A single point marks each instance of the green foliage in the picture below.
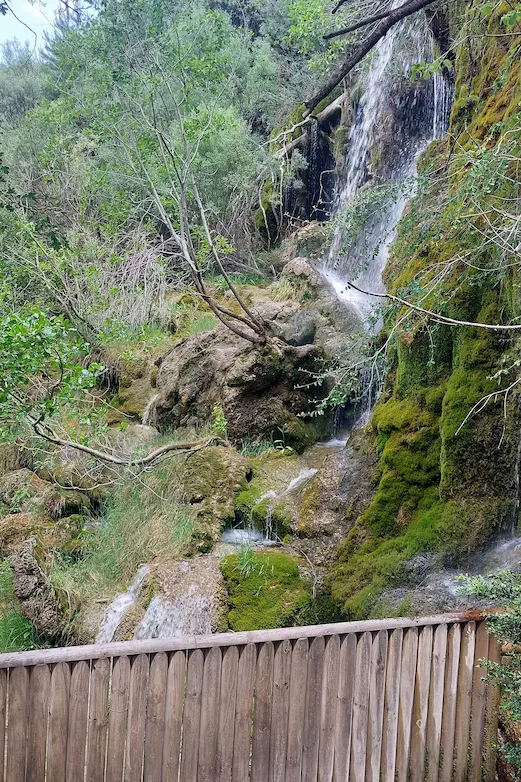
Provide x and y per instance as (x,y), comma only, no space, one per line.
(503,591)
(41,369)
(219,422)
(264,590)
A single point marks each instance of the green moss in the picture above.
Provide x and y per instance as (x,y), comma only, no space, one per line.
(264,591)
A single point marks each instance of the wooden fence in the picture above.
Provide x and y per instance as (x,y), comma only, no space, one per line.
(383,700)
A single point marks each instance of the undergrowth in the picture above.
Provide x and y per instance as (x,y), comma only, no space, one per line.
(16,632)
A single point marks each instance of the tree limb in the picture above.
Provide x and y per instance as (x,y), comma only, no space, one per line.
(145,461)
(393,17)
(436,316)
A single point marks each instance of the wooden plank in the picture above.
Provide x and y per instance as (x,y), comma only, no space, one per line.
(376,706)
(98,720)
(229,671)
(39,694)
(18,702)
(313,709)
(439,656)
(420,709)
(152,646)
(360,708)
(407,679)
(192,716)
(326,758)
(344,708)
(280,711)
(260,755)
(175,699)
(3,710)
(465,679)
(137,710)
(492,716)
(208,733)
(119,694)
(448,722)
(297,703)
(155,724)
(391,706)
(78,716)
(58,722)
(479,694)
(243,712)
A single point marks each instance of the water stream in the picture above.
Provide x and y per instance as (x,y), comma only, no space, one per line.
(115,611)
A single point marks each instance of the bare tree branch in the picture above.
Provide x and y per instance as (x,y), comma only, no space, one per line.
(393,17)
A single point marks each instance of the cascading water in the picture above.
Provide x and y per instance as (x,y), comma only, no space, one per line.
(425,119)
(119,606)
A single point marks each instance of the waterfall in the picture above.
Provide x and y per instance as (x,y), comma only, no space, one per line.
(149,413)
(425,119)
(120,604)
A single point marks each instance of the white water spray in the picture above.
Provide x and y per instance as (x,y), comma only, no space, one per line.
(119,606)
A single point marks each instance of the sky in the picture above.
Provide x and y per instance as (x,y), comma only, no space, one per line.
(37,15)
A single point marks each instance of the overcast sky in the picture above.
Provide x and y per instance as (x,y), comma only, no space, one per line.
(37,15)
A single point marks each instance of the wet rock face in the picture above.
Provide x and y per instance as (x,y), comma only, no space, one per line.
(38,600)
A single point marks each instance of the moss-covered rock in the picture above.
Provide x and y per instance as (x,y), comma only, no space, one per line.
(264,590)
(211,479)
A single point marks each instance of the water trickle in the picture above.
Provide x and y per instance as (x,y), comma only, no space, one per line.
(149,414)
(120,604)
(188,614)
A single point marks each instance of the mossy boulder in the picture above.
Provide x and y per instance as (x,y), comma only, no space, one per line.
(265,590)
(24,491)
(211,479)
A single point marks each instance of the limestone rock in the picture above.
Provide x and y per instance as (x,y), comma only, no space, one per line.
(211,480)
(51,534)
(24,491)
(37,598)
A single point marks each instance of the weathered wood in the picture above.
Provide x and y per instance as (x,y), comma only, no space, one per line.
(243,711)
(280,711)
(465,679)
(192,716)
(155,724)
(39,692)
(209,715)
(421,705)
(120,687)
(58,722)
(225,743)
(448,722)
(78,716)
(18,703)
(326,758)
(137,711)
(98,720)
(313,709)
(297,703)
(479,693)
(395,707)
(360,708)
(174,706)
(492,717)
(3,710)
(391,706)
(95,651)
(260,752)
(344,708)
(376,706)
(439,656)
(407,679)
